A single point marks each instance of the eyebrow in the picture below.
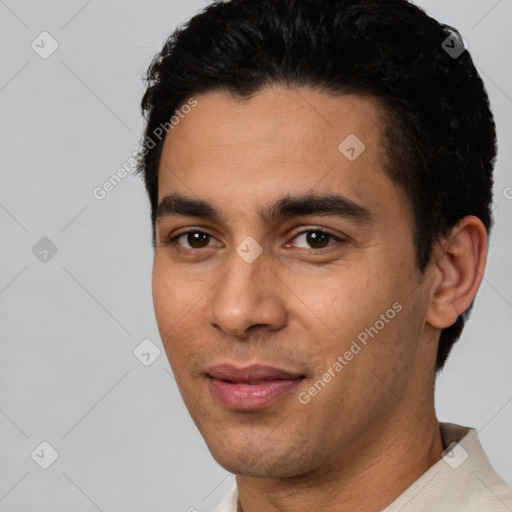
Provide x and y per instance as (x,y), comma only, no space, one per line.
(285,208)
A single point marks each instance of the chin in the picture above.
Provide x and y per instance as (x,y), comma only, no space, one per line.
(248,461)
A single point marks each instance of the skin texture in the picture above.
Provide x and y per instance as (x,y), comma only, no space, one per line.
(372,430)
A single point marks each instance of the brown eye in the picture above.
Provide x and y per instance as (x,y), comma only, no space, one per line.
(317,238)
(195,239)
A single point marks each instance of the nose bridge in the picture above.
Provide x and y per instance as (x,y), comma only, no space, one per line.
(247,294)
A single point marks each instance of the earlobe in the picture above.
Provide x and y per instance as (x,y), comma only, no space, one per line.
(459,261)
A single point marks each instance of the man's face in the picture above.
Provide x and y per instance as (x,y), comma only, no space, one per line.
(289,297)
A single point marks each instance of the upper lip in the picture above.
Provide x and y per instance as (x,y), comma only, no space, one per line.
(249,373)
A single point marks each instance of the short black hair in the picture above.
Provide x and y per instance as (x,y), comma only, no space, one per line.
(440,135)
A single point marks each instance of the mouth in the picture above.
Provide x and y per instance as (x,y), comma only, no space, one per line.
(251,388)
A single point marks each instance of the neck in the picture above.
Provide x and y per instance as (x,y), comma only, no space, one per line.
(380,469)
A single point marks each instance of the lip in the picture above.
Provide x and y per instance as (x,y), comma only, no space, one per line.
(252,387)
(249,373)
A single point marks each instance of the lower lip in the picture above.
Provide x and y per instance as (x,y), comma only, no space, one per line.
(251,397)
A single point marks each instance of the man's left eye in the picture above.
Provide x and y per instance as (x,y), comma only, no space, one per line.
(317,238)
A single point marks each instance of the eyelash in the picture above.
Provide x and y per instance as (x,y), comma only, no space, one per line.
(316,230)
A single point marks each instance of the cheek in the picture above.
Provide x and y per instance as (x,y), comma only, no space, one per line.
(172,295)
(179,310)
(164,299)
(170,303)
(353,300)
(363,312)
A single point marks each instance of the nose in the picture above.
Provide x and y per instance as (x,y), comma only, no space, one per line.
(249,294)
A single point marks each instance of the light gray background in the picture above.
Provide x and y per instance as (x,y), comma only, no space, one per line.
(69,326)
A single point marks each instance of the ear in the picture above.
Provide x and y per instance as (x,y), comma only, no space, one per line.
(458,265)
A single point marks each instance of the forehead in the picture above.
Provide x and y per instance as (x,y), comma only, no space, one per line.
(303,122)
(242,151)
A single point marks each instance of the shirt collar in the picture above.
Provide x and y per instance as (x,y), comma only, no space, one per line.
(462,480)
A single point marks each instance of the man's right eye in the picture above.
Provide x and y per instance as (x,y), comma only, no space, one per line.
(194,238)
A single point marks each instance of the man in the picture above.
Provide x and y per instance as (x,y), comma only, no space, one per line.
(321,208)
